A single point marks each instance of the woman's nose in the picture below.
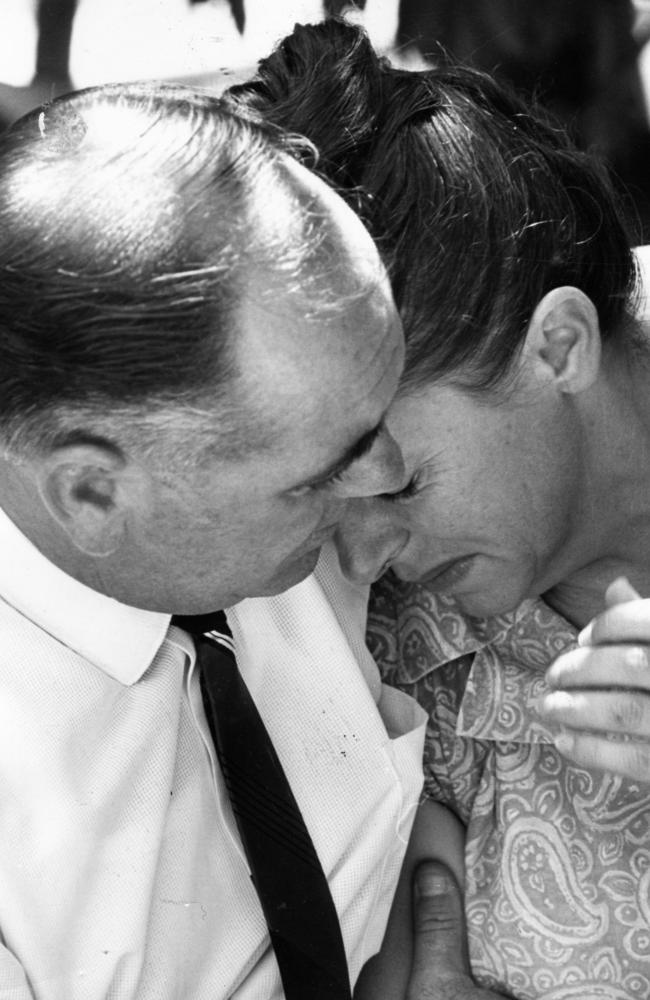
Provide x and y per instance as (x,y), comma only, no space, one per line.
(368,539)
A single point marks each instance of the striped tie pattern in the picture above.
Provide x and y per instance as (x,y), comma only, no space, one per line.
(287,874)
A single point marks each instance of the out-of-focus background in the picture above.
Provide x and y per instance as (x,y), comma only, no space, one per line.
(589,60)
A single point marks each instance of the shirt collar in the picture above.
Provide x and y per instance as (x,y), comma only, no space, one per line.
(120,640)
(511,654)
(434,628)
(508,678)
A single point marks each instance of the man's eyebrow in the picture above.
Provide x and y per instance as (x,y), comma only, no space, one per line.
(356,451)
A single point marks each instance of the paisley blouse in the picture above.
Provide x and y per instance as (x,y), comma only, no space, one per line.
(557,857)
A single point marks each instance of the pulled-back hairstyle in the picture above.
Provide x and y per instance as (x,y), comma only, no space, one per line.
(478,205)
(130,221)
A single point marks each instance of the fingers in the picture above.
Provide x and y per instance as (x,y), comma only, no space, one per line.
(602,666)
(626,712)
(607,729)
(626,622)
(590,750)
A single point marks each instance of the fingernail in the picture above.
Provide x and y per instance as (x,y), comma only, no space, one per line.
(564,742)
(561,700)
(624,590)
(432,884)
(584,637)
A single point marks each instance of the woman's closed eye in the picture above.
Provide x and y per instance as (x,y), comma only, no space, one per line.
(407,492)
(424,478)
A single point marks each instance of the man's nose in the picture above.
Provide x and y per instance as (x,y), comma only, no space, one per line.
(368,538)
(381,470)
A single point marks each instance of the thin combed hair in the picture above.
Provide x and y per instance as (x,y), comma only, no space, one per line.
(479,204)
(128,229)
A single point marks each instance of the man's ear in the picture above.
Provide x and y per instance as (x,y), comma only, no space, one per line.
(563,339)
(89,489)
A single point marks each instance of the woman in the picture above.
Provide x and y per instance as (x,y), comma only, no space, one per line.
(524,417)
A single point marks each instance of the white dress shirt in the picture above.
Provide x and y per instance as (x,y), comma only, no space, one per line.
(121,872)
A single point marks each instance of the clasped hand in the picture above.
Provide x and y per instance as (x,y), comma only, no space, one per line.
(601,695)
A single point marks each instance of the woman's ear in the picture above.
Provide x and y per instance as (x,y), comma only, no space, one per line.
(88,489)
(563,340)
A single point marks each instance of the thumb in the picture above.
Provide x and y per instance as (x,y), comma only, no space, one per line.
(440,949)
(441,968)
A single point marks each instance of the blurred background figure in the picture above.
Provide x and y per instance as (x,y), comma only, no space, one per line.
(34,41)
(48,47)
(54,20)
(588,60)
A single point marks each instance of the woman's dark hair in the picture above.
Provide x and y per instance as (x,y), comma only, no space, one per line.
(479,205)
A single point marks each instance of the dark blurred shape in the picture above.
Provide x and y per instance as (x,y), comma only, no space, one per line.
(334,8)
(237,11)
(54,20)
(579,57)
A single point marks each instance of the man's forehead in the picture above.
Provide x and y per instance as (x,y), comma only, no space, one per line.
(317,388)
(284,334)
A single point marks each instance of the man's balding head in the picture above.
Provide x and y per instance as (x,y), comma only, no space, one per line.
(132,218)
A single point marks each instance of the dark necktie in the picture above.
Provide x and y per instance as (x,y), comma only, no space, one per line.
(290,882)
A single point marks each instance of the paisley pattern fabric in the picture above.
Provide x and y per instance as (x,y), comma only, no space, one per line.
(557,857)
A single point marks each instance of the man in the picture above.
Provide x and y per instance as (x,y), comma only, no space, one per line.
(198,349)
